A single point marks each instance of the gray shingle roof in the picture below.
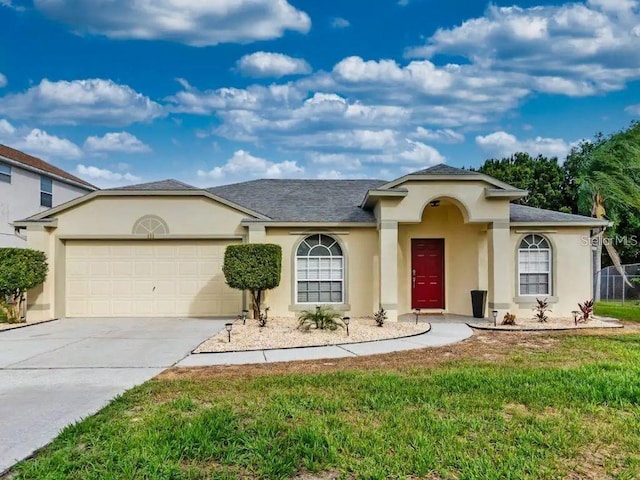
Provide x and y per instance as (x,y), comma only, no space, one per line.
(169,184)
(525,214)
(442,169)
(303,200)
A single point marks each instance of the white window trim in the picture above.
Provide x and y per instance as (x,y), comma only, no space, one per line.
(307,257)
(548,273)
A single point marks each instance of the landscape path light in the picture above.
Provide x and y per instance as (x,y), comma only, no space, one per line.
(228,326)
(495,317)
(346,321)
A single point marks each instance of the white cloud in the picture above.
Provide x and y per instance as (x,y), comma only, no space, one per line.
(37,142)
(104,177)
(243,163)
(122,142)
(633,109)
(3,80)
(268,64)
(6,129)
(10,4)
(422,154)
(442,135)
(339,22)
(503,144)
(193,22)
(94,101)
(574,49)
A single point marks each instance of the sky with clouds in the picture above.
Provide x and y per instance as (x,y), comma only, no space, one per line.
(219,91)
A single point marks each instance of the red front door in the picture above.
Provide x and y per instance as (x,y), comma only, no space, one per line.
(427,273)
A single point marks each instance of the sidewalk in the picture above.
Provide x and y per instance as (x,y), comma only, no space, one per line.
(439,335)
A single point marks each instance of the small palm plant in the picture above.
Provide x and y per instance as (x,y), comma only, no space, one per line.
(380,316)
(587,310)
(323,318)
(541,310)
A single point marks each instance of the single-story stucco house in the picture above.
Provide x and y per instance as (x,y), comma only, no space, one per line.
(422,241)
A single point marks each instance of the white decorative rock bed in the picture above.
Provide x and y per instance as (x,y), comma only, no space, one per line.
(283,333)
(528,324)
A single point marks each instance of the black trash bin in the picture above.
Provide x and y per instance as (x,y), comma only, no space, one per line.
(478,302)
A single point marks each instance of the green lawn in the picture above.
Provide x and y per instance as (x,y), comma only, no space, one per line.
(547,407)
(628,311)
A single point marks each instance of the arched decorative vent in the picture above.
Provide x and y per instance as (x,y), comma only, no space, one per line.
(150,226)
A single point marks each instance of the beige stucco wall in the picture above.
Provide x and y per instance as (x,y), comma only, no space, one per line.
(480,248)
(468,195)
(465,256)
(185,215)
(571,276)
(112,218)
(360,247)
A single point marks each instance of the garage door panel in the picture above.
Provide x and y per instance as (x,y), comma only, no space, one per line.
(148,278)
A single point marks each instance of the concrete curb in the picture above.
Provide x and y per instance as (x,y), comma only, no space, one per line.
(440,334)
(193,352)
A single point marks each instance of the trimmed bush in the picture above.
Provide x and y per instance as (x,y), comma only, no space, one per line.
(20,270)
(254,267)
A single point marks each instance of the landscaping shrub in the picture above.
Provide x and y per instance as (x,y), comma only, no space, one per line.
(541,310)
(380,316)
(322,318)
(509,319)
(20,270)
(254,267)
(587,310)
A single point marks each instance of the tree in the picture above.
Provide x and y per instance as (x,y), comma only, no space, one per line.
(254,267)
(543,177)
(610,167)
(20,270)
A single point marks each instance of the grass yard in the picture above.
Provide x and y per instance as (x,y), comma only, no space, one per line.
(500,405)
(629,311)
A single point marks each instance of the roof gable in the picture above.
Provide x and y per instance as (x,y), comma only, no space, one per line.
(442,172)
(174,188)
(37,164)
(161,185)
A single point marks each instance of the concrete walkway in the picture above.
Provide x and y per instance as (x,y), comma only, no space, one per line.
(439,335)
(55,374)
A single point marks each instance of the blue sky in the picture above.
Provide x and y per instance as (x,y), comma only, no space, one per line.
(219,91)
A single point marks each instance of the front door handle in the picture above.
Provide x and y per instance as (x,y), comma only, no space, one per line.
(413,277)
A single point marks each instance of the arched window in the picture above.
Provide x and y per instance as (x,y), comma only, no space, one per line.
(319,270)
(150,225)
(534,266)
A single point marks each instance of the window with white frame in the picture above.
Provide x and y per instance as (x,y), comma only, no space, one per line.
(46,192)
(319,270)
(5,173)
(534,265)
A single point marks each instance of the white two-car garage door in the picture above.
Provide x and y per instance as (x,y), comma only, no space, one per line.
(148,278)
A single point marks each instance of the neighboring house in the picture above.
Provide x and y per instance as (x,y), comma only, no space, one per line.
(424,240)
(29,185)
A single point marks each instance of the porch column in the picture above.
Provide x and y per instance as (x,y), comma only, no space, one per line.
(500,273)
(389,269)
(257,233)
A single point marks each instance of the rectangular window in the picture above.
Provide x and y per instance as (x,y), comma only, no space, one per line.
(535,272)
(5,173)
(320,280)
(46,192)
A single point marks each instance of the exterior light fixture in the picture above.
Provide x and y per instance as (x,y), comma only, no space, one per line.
(434,203)
(228,327)
(575,317)
(317,308)
(416,312)
(245,313)
(495,317)
(346,321)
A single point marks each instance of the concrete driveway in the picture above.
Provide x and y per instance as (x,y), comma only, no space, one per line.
(56,373)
